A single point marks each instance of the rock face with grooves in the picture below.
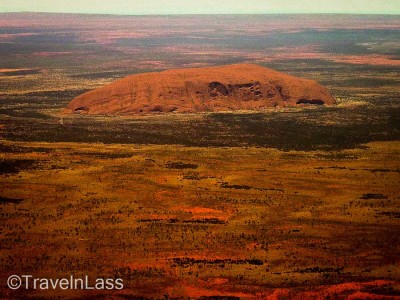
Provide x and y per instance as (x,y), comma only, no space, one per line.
(225,88)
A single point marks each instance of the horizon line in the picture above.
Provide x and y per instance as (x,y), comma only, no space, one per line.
(203,14)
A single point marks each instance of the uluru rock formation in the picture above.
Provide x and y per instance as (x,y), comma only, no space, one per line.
(225,88)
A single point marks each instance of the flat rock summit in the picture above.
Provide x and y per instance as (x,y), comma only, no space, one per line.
(223,88)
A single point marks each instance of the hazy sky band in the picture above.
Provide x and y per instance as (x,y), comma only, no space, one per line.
(146,7)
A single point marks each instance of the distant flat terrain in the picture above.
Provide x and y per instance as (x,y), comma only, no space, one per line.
(47,64)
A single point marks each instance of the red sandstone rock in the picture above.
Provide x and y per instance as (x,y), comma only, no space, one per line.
(225,88)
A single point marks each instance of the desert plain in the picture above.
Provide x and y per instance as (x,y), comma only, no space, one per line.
(287,203)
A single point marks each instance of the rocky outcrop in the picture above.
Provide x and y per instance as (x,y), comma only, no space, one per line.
(225,88)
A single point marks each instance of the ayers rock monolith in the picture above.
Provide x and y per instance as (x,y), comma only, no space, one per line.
(225,88)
